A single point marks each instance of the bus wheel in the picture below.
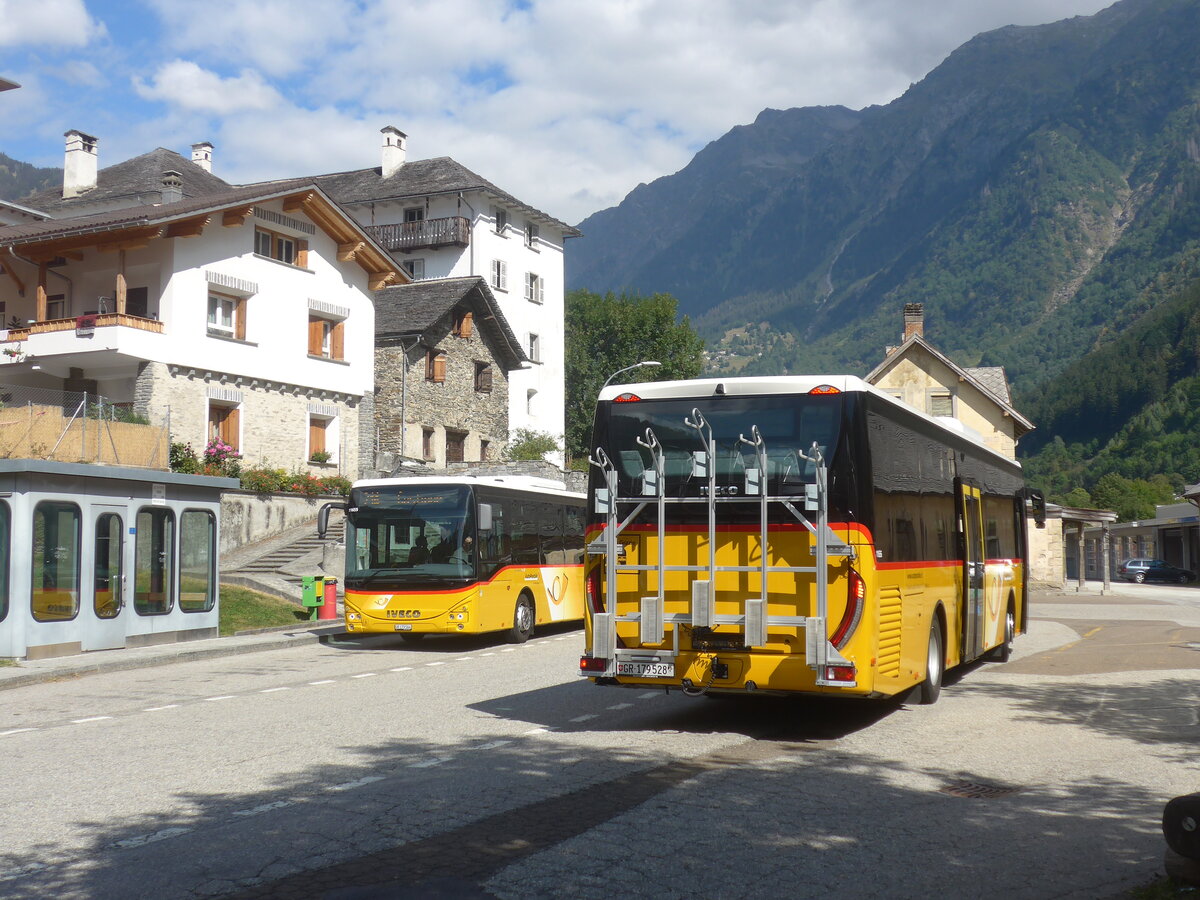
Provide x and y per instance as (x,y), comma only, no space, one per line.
(1004,651)
(522,621)
(931,687)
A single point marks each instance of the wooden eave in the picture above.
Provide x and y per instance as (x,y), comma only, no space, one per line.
(352,242)
(119,238)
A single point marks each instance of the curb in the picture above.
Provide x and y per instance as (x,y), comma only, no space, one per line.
(70,667)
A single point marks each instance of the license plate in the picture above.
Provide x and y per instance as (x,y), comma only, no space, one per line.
(404,626)
(646,669)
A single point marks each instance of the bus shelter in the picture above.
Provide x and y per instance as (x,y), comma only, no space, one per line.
(100,557)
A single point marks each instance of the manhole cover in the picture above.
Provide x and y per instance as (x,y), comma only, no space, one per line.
(973,790)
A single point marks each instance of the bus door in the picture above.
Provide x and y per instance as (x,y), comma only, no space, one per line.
(971,612)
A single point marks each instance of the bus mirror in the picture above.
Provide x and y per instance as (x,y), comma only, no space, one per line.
(485,517)
(323,518)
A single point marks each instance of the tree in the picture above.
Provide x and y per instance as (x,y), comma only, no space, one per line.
(605,334)
(530,445)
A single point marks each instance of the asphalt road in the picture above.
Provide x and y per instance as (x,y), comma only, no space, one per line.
(468,768)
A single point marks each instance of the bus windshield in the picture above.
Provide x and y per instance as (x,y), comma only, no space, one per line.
(409,533)
(789,425)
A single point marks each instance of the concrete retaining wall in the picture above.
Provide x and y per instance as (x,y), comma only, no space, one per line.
(247,517)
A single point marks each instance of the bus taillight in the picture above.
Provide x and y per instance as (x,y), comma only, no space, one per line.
(592,587)
(855,601)
(592,664)
(843,674)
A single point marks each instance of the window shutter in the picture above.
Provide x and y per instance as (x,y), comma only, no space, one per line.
(315,334)
(538,291)
(503,275)
(439,368)
(302,254)
(467,320)
(316,436)
(429,357)
(230,428)
(337,341)
(485,379)
(239,319)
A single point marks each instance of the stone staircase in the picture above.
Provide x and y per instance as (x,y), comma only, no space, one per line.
(282,562)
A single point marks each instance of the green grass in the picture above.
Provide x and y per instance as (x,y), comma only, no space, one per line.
(243,609)
(1163,889)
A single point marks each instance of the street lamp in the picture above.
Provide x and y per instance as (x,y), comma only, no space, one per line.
(636,365)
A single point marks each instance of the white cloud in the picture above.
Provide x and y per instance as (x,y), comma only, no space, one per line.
(185,85)
(47,22)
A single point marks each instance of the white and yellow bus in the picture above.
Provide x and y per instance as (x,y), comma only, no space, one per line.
(461,555)
(795,534)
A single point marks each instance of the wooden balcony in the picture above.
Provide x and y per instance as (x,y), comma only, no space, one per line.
(452,231)
(80,324)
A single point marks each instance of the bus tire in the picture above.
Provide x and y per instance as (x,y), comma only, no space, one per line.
(1003,652)
(935,666)
(523,619)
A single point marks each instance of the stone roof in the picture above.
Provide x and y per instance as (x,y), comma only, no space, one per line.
(412,310)
(138,179)
(994,379)
(422,178)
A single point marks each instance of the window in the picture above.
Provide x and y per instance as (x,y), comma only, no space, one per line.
(326,338)
(137,302)
(435,366)
(499,274)
(227,316)
(500,214)
(531,235)
(484,448)
(224,424)
(5,550)
(414,267)
(941,403)
(286,249)
(414,214)
(427,443)
(483,377)
(322,438)
(535,348)
(533,287)
(463,323)
(530,396)
(197,565)
(456,443)
(56,306)
(56,538)
(108,597)
(153,561)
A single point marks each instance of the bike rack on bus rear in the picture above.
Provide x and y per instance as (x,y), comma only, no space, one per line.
(754,619)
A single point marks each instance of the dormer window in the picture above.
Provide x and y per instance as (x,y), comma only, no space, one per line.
(500,214)
(531,235)
(281,247)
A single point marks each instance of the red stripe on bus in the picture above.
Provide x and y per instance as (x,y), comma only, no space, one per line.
(473,584)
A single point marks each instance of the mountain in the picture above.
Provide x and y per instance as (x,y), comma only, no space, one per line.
(1036,191)
(18,179)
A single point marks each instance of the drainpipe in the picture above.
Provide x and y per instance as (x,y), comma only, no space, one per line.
(31,263)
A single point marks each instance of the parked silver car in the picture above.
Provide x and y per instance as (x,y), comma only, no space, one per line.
(1146,569)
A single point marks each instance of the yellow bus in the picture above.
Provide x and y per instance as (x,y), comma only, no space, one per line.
(795,534)
(461,555)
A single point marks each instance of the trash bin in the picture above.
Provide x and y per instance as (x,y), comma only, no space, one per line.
(312,594)
(328,609)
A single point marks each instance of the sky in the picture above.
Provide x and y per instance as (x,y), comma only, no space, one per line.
(566,104)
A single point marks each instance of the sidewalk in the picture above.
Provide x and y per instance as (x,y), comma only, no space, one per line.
(27,672)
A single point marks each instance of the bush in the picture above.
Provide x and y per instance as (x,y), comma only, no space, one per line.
(183,459)
(531,445)
(264,480)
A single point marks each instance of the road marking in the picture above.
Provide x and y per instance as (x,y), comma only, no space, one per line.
(428,763)
(492,745)
(439,663)
(326,681)
(273,690)
(222,697)
(350,785)
(15,731)
(266,807)
(90,719)
(157,708)
(364,675)
(402,669)
(509,650)
(585,717)
(537,731)
(464,659)
(489,653)
(621,706)
(143,839)
(649,695)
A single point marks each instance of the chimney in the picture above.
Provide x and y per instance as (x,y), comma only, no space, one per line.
(79,166)
(914,320)
(172,187)
(202,155)
(395,149)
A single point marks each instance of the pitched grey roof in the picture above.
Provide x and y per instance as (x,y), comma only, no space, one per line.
(421,178)
(992,378)
(412,310)
(147,214)
(138,180)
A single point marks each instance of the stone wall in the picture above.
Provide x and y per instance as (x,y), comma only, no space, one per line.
(453,404)
(247,518)
(1047,565)
(274,417)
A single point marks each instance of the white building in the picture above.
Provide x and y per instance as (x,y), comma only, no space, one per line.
(245,314)
(439,219)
